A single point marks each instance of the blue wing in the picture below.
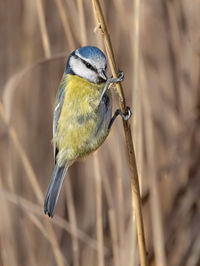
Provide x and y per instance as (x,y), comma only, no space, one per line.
(58,106)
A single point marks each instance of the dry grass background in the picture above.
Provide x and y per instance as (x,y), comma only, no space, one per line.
(157,44)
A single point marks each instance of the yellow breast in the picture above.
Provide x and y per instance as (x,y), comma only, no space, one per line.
(78,119)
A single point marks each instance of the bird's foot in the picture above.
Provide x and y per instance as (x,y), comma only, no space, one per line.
(112,80)
(116,80)
(125,116)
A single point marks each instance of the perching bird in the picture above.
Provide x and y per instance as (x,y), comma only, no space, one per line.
(82,115)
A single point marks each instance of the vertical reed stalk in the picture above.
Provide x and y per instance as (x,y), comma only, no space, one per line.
(100,253)
(120,202)
(112,217)
(43,29)
(136,94)
(63,16)
(33,180)
(8,254)
(73,222)
(113,229)
(128,136)
(158,235)
(82,22)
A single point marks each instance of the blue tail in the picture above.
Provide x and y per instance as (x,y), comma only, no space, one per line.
(54,189)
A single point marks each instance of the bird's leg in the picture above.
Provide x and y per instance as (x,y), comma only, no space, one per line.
(111,80)
(115,80)
(125,116)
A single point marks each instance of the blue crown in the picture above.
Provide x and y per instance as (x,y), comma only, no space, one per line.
(88,52)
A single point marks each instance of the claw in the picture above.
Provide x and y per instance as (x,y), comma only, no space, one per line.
(125,116)
(112,80)
(119,79)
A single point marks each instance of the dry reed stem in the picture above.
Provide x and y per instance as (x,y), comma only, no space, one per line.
(136,94)
(27,166)
(120,9)
(100,253)
(82,22)
(71,10)
(136,102)
(72,219)
(174,47)
(113,230)
(33,180)
(195,79)
(8,256)
(43,28)
(158,235)
(120,198)
(121,219)
(128,136)
(112,218)
(68,33)
(35,209)
(107,189)
(33,218)
(132,242)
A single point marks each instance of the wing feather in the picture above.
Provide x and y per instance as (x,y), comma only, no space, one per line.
(58,107)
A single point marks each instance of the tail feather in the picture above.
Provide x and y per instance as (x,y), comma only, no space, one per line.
(54,189)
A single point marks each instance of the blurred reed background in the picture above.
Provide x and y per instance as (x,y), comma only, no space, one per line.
(157,45)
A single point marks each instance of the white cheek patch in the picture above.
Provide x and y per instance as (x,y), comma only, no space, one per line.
(79,68)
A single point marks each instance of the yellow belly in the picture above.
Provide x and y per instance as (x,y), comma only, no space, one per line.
(78,120)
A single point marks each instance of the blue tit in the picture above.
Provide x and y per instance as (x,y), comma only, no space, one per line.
(82,115)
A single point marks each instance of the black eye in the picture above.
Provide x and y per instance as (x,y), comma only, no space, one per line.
(88,65)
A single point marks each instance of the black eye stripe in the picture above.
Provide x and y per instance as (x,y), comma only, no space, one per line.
(88,65)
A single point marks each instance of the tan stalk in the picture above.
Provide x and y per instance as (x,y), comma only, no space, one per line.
(65,22)
(82,22)
(33,180)
(136,201)
(35,210)
(43,29)
(100,253)
(158,232)
(136,94)
(73,221)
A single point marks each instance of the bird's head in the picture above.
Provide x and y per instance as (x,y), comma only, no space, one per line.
(89,63)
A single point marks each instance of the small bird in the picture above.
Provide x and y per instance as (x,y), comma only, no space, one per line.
(82,115)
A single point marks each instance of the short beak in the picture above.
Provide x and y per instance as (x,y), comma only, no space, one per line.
(102,74)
